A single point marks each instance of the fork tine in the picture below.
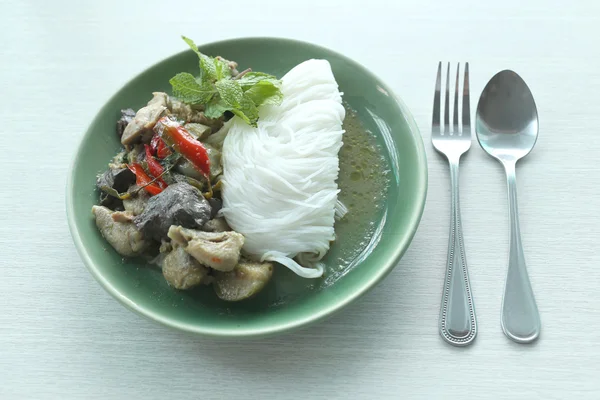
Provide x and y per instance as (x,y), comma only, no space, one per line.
(447,103)
(466,108)
(455,114)
(435,123)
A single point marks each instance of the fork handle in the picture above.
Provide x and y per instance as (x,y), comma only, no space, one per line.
(458,325)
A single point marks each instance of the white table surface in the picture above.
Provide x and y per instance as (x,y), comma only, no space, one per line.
(62,336)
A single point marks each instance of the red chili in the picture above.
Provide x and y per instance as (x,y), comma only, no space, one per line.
(159,148)
(154,167)
(163,151)
(143,179)
(186,144)
(154,143)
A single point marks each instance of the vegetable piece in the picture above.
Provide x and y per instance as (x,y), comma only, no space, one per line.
(117,179)
(214,157)
(156,170)
(159,148)
(127,116)
(246,280)
(122,234)
(113,183)
(182,271)
(142,179)
(162,151)
(199,131)
(184,143)
(179,204)
(187,168)
(218,250)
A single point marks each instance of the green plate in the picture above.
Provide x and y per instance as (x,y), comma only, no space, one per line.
(288,302)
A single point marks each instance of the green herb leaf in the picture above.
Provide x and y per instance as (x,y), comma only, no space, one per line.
(264,92)
(230,91)
(189,90)
(216,108)
(252,78)
(207,65)
(222,68)
(208,70)
(218,92)
(247,111)
(192,45)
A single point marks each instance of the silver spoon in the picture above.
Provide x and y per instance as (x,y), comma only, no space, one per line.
(507,128)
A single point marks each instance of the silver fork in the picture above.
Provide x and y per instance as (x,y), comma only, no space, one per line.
(458,325)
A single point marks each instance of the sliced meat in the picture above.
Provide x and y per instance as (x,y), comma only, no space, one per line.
(137,202)
(216,225)
(179,204)
(182,271)
(127,116)
(145,119)
(247,279)
(122,216)
(218,250)
(124,236)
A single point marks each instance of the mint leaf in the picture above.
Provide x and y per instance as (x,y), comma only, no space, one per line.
(219,92)
(252,78)
(207,65)
(208,71)
(189,90)
(192,45)
(247,111)
(264,92)
(222,68)
(216,108)
(230,91)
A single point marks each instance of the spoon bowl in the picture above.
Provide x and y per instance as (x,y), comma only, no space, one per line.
(507,120)
(506,124)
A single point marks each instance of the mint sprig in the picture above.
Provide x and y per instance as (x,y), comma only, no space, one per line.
(219,92)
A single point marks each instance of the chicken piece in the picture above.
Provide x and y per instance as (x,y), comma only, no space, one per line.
(218,250)
(247,279)
(216,225)
(145,118)
(122,216)
(182,271)
(137,202)
(179,204)
(123,235)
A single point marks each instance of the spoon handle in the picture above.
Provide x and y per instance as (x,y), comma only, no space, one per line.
(458,325)
(520,316)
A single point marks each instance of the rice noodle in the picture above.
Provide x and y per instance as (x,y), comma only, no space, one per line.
(279,180)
